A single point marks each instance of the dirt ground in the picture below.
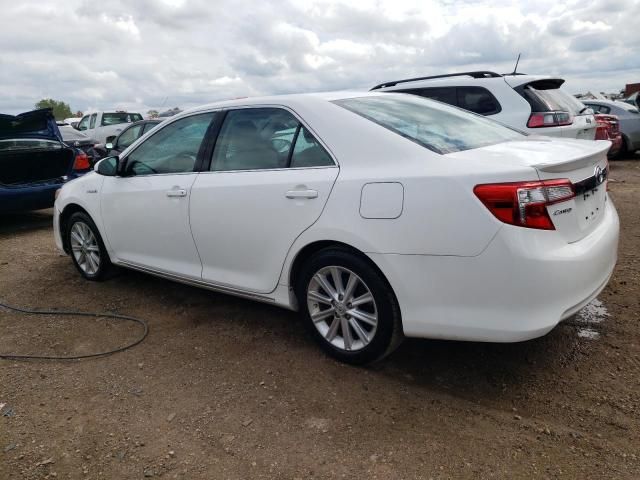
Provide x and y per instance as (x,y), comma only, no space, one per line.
(224,388)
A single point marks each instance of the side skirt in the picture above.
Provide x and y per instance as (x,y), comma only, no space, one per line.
(201,283)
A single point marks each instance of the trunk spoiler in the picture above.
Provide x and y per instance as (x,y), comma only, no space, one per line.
(576,163)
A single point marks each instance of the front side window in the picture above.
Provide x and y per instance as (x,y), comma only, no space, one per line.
(92,124)
(84,123)
(173,149)
(440,128)
(149,126)
(265,138)
(129,136)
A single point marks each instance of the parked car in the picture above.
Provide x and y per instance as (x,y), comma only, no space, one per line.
(530,103)
(129,135)
(608,128)
(105,126)
(72,121)
(629,118)
(633,100)
(80,141)
(378,215)
(34,161)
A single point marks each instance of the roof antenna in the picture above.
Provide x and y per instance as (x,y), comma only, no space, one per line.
(516,67)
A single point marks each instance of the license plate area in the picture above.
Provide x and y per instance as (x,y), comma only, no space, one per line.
(590,205)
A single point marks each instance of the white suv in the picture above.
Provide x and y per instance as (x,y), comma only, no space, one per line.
(529,103)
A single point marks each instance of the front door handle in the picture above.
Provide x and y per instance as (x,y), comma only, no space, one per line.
(177,192)
(302,194)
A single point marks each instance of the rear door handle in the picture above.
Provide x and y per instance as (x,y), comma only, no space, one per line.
(177,192)
(302,194)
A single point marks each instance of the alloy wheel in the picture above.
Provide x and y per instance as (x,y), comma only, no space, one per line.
(342,308)
(85,248)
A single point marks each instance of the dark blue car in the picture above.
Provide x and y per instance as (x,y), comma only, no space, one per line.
(34,161)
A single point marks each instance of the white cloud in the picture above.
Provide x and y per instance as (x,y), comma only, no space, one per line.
(151,53)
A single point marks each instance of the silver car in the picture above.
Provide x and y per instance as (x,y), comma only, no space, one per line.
(629,117)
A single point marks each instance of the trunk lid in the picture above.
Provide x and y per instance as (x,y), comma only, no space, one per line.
(31,149)
(582,162)
(34,124)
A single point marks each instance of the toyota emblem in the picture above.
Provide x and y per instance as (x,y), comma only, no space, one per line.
(600,175)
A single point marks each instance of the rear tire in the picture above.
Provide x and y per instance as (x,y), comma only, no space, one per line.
(623,152)
(86,248)
(348,306)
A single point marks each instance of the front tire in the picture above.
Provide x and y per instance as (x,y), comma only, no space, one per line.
(348,307)
(86,247)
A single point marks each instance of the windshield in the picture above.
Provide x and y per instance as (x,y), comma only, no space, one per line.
(120,117)
(436,126)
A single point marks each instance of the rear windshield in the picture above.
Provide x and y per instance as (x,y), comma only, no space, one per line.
(627,107)
(120,117)
(555,99)
(438,127)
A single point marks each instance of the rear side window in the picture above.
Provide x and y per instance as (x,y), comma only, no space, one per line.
(478,100)
(438,127)
(441,94)
(475,99)
(265,138)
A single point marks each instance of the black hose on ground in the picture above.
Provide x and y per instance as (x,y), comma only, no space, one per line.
(125,318)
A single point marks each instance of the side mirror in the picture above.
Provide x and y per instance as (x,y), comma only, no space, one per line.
(107,166)
(109,146)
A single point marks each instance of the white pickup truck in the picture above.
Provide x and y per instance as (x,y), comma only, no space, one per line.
(103,127)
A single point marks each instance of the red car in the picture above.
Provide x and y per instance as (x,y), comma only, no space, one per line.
(608,128)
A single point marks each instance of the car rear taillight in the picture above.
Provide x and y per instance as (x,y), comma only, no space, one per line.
(549,119)
(81,162)
(524,204)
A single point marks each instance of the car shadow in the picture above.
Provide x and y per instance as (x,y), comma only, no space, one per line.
(26,221)
(469,370)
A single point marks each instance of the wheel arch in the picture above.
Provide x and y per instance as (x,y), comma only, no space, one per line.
(65,215)
(312,248)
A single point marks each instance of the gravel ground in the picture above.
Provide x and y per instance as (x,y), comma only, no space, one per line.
(226,388)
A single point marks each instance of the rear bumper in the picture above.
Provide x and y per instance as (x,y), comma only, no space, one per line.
(33,197)
(520,287)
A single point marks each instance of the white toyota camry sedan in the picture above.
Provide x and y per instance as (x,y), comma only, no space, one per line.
(376,215)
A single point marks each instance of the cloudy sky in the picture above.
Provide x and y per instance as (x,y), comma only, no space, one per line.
(142,54)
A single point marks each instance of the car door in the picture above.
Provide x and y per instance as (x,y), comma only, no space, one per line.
(145,211)
(268,181)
